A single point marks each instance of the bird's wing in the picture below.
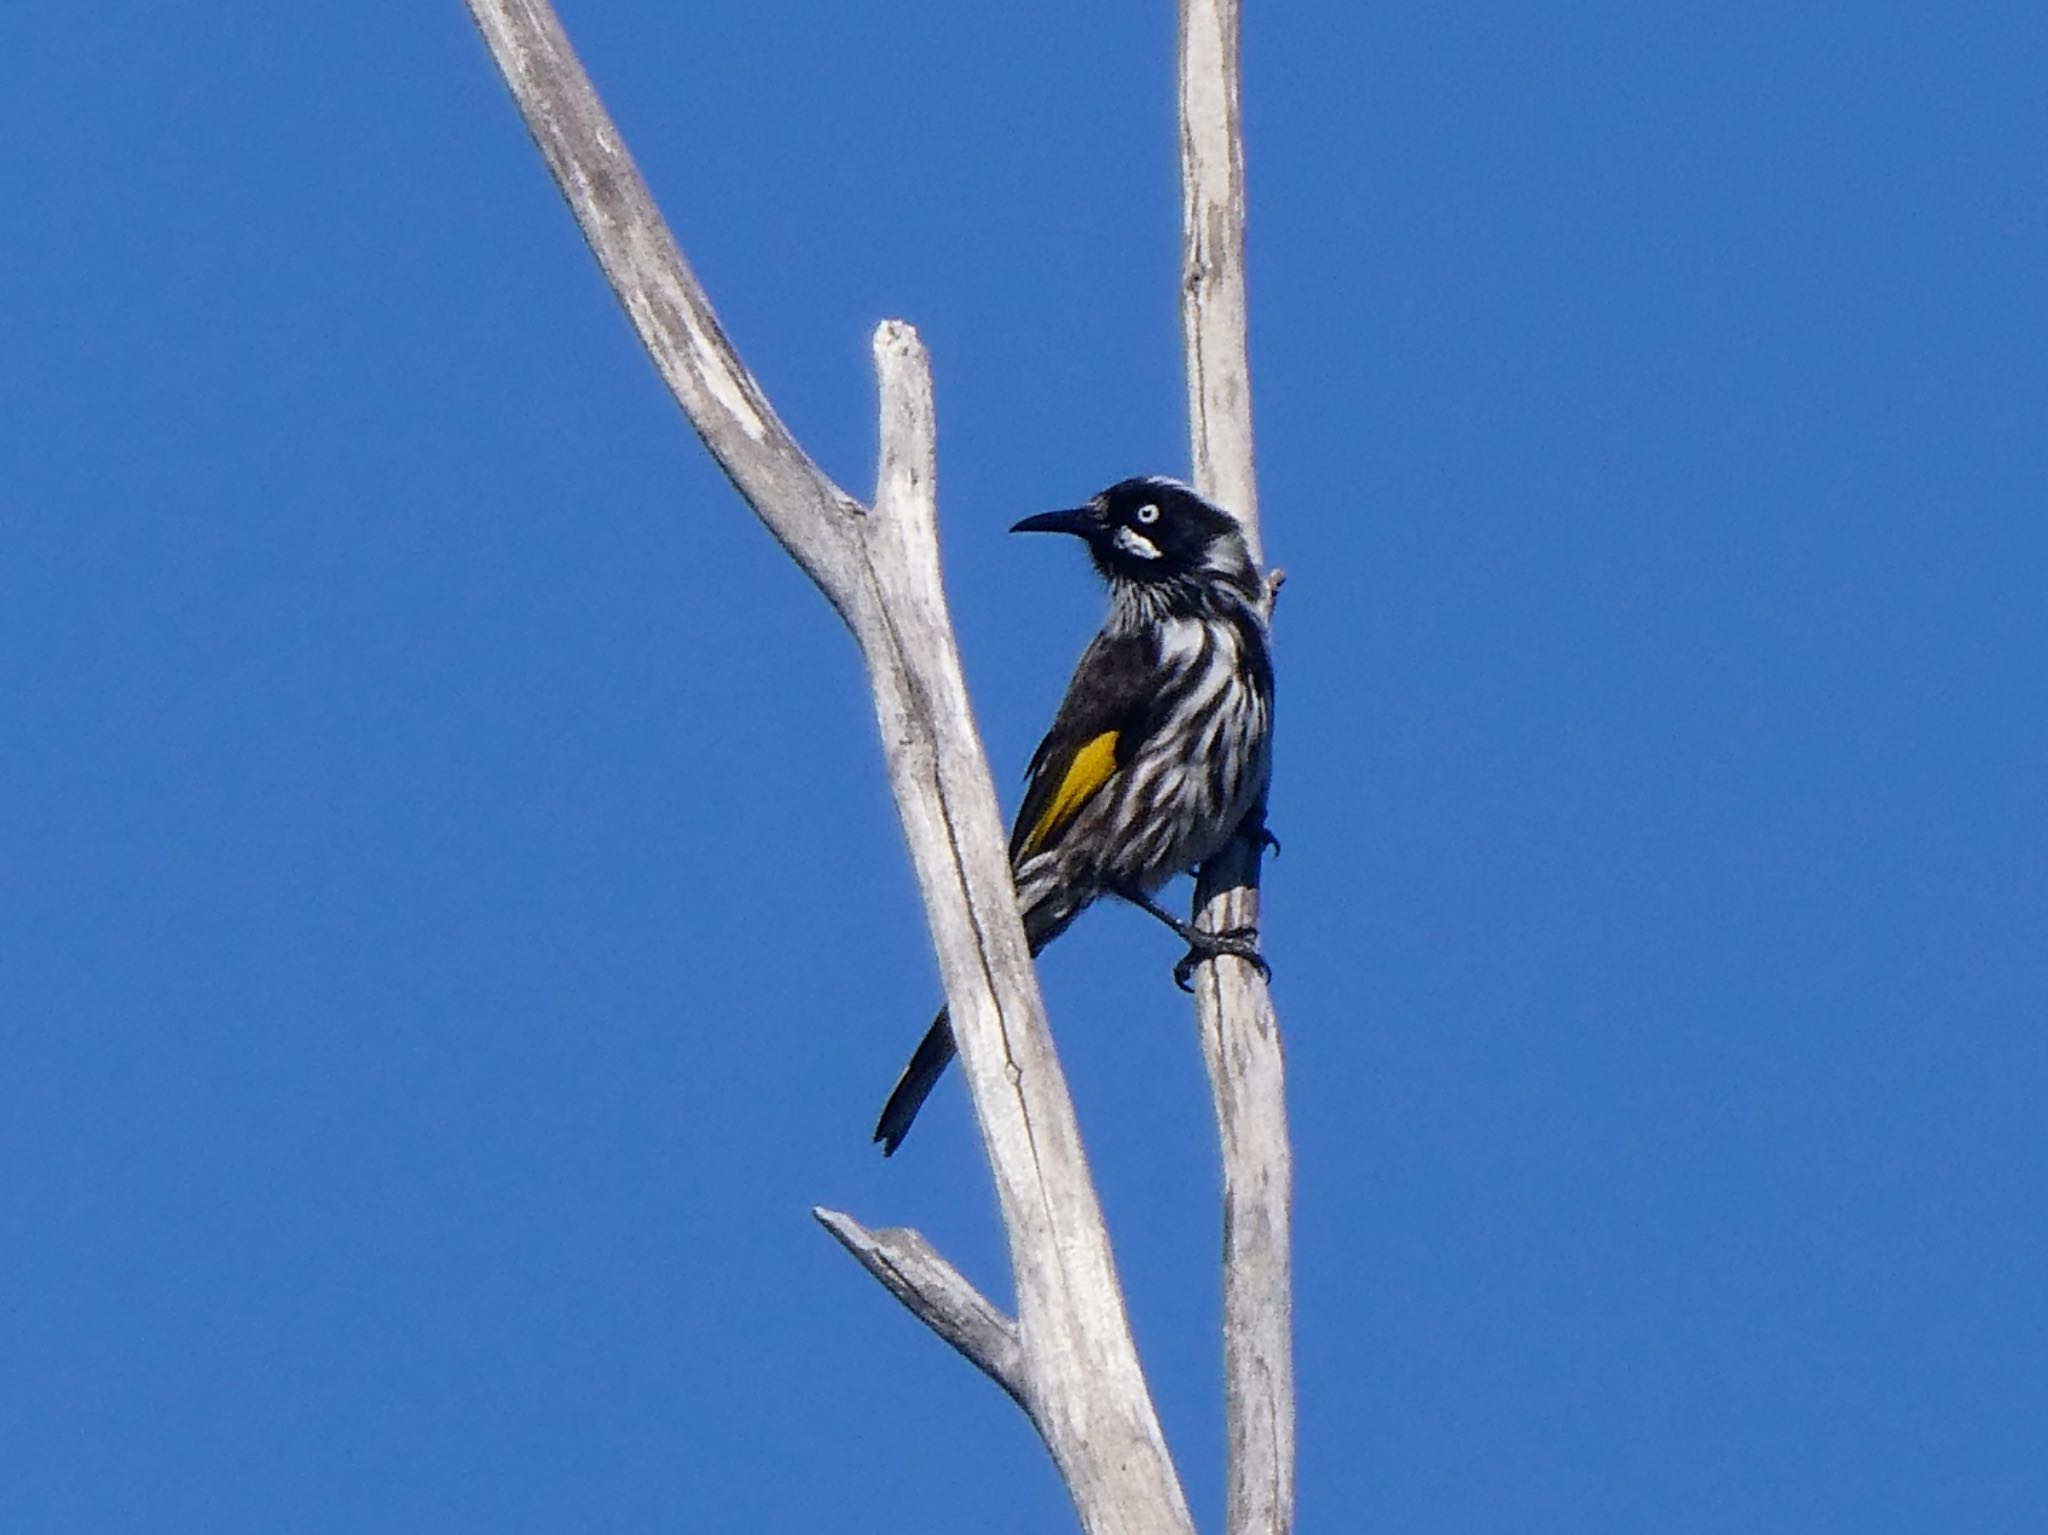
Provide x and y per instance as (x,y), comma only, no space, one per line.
(1109,710)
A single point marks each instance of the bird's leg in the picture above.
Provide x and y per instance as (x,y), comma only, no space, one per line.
(1238,942)
(1185,931)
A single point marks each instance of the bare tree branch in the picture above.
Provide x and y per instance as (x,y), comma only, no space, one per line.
(938,1295)
(1077,1373)
(805,511)
(1240,1033)
(1083,1385)
(1212,296)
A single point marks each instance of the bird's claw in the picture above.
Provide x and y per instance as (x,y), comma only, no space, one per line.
(1253,829)
(1238,942)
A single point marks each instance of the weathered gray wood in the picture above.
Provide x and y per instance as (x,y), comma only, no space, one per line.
(1214,322)
(938,1295)
(801,506)
(1083,1386)
(1239,1031)
(1077,1371)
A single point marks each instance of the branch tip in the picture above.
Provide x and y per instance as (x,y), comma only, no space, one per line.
(937,1294)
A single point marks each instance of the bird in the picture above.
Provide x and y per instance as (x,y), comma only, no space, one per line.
(1161,750)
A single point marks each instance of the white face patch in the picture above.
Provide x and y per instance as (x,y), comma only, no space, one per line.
(1136,544)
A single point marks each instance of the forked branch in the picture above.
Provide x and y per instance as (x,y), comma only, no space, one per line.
(1074,1366)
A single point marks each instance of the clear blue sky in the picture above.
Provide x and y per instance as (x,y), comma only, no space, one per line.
(452,926)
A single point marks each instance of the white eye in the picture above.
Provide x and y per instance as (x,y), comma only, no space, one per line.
(1148,513)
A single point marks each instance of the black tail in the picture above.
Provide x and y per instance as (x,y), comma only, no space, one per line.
(915,1085)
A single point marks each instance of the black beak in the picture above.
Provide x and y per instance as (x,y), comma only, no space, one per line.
(1081,521)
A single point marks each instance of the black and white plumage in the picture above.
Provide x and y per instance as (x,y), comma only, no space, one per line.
(1161,749)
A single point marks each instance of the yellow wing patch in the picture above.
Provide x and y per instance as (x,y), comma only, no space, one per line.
(1089,770)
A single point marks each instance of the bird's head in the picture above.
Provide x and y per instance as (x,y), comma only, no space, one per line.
(1155,532)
